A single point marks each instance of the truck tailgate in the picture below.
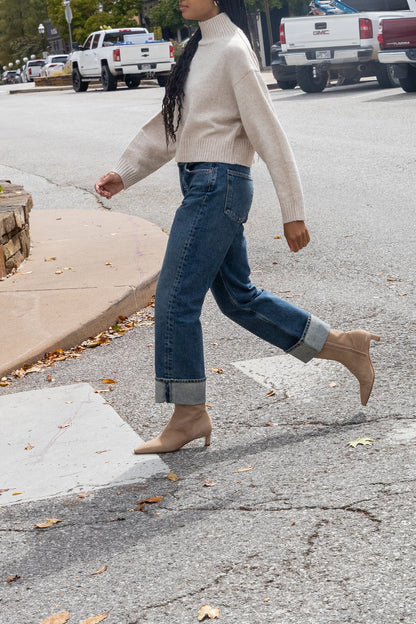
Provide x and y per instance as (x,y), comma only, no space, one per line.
(321,31)
(398,33)
(144,53)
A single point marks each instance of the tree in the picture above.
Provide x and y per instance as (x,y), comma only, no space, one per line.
(19,21)
(167,15)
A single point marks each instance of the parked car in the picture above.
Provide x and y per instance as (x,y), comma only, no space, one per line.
(285,75)
(397,39)
(121,54)
(10,77)
(31,70)
(53,63)
(345,42)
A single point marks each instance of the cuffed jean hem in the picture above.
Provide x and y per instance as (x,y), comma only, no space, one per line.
(313,340)
(181,392)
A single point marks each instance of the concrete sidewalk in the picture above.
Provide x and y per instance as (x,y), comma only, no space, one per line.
(86,268)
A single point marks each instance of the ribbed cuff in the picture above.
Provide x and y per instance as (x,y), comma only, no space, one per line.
(127,173)
(313,340)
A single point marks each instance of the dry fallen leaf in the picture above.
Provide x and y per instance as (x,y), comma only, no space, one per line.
(58,618)
(108,264)
(217,370)
(100,570)
(209,483)
(208,611)
(402,294)
(49,378)
(83,494)
(29,447)
(362,441)
(244,469)
(18,492)
(277,237)
(151,499)
(95,619)
(269,424)
(50,259)
(271,393)
(13,578)
(172,476)
(49,522)
(267,599)
(65,426)
(4,383)
(332,384)
(58,272)
(109,381)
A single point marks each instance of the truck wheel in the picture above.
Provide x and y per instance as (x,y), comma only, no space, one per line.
(309,82)
(108,81)
(386,76)
(162,80)
(78,84)
(287,84)
(132,83)
(409,83)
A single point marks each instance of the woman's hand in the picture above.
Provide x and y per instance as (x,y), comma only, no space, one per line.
(109,184)
(296,234)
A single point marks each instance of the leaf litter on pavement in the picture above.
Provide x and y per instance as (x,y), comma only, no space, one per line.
(144,317)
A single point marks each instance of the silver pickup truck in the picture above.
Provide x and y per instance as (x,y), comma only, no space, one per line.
(346,44)
(121,54)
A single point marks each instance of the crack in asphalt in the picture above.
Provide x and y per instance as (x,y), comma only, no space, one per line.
(60,185)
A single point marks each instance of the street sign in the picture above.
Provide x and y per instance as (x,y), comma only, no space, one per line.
(68,13)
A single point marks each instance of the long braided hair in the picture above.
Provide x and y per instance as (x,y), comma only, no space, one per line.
(173,100)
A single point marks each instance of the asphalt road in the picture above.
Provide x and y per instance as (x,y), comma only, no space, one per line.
(317,532)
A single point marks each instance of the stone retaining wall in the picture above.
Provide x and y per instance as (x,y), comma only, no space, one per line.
(15,206)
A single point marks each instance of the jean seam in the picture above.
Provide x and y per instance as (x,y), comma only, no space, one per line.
(171,303)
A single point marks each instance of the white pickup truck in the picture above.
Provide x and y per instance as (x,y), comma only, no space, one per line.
(121,54)
(344,44)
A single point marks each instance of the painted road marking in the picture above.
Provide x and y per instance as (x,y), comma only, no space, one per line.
(94,451)
(285,374)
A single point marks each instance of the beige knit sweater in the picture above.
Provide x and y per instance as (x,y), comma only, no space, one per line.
(227,116)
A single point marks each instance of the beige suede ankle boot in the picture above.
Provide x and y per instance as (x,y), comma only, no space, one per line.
(188,423)
(352,349)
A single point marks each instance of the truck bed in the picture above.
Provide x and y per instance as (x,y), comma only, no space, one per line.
(398,33)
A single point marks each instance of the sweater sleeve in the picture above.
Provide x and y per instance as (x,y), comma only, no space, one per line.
(146,153)
(270,142)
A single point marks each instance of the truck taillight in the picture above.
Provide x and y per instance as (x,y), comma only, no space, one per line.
(380,35)
(282,33)
(366,28)
(116,55)
(30,71)
(171,52)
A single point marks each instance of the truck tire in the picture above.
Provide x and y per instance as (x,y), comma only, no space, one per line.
(132,82)
(386,76)
(162,80)
(408,84)
(108,81)
(287,84)
(310,83)
(78,84)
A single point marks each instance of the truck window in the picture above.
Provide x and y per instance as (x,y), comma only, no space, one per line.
(378,5)
(96,40)
(87,43)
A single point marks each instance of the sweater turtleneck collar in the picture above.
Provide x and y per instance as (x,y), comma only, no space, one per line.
(216,27)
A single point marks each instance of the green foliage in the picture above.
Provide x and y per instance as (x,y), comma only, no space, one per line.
(86,16)
(167,15)
(19,21)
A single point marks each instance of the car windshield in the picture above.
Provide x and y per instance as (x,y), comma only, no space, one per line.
(58,59)
(35,63)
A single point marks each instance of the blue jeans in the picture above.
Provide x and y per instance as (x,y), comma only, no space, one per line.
(207,250)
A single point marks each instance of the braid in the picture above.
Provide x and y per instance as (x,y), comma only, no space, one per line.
(173,100)
(175,88)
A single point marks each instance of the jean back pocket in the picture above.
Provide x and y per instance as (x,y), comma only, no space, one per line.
(239,195)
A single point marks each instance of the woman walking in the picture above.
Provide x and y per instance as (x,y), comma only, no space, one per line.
(216,113)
